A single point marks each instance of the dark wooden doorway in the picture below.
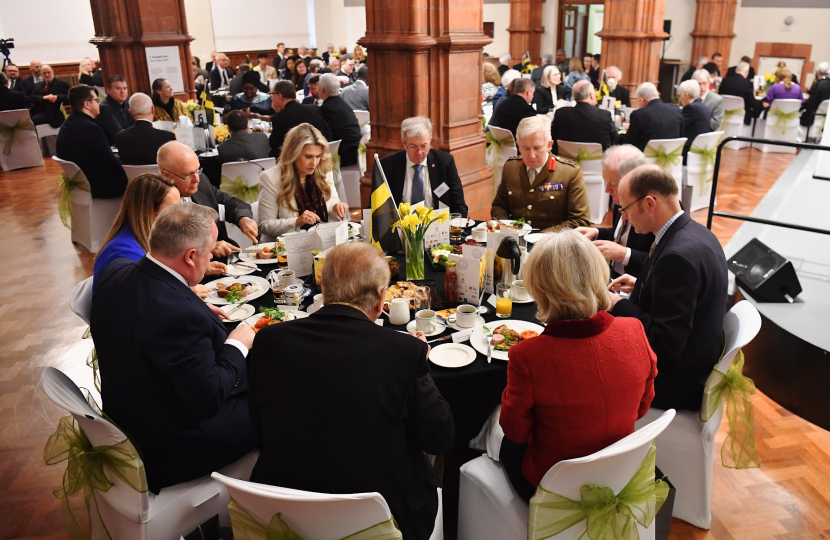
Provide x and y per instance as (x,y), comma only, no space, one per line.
(575,25)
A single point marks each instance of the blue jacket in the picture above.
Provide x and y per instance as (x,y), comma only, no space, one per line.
(122,246)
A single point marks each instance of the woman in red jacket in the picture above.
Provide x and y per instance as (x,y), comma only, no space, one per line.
(580,385)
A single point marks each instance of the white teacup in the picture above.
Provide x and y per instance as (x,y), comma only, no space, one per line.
(318,301)
(425,321)
(466,316)
(518,291)
(480,234)
(286,278)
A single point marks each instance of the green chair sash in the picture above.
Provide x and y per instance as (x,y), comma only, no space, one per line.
(67,185)
(663,158)
(364,124)
(15,133)
(730,113)
(607,516)
(782,118)
(708,157)
(494,146)
(86,468)
(335,163)
(582,155)
(738,451)
(361,150)
(239,188)
(246,527)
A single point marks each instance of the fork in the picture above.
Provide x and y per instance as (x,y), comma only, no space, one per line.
(489,338)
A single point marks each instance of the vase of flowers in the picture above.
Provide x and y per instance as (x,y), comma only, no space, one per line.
(414,223)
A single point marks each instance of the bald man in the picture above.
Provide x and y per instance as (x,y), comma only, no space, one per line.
(47,98)
(140,143)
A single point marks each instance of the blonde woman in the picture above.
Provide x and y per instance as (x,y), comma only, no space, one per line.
(785,88)
(85,72)
(491,81)
(299,191)
(360,56)
(551,92)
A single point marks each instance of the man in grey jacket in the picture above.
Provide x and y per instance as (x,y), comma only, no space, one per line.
(357,95)
(712,101)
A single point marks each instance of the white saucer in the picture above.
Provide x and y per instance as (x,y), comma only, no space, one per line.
(534,237)
(244,311)
(479,323)
(437,328)
(528,301)
(452,355)
(311,309)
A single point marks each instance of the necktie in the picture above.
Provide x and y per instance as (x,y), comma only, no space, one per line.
(417,185)
(531,175)
(621,231)
(651,251)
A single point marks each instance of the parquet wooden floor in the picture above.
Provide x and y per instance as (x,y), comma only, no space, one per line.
(788,498)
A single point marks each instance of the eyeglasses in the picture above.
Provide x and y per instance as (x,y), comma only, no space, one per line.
(197,173)
(413,148)
(95,99)
(625,209)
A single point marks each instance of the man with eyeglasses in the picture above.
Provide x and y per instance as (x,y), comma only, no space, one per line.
(84,143)
(181,164)
(680,296)
(419,173)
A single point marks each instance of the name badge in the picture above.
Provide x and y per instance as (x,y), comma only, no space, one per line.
(552,186)
(440,190)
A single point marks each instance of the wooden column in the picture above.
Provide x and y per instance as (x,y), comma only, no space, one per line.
(714,29)
(426,60)
(632,36)
(125,28)
(526,29)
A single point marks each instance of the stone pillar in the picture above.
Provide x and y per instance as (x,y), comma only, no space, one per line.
(124,28)
(426,60)
(714,29)
(632,37)
(526,29)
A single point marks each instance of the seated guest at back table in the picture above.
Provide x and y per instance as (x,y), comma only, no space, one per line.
(577,72)
(347,69)
(579,386)
(10,100)
(710,98)
(115,109)
(549,92)
(203,73)
(313,92)
(557,198)
(696,117)
(358,421)
(180,164)
(34,77)
(47,97)
(785,88)
(221,73)
(288,72)
(14,81)
(84,143)
(419,173)
(356,95)
(340,118)
(254,98)
(654,120)
(167,108)
(680,296)
(625,249)
(584,122)
(298,78)
(85,72)
(139,144)
(299,191)
(314,68)
(537,74)
(506,79)
(750,75)
(235,87)
(738,85)
(819,92)
(514,106)
(265,70)
(182,394)
(290,114)
(614,76)
(492,82)
(242,146)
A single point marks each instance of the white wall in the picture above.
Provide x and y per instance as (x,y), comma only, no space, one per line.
(681,13)
(499,15)
(200,26)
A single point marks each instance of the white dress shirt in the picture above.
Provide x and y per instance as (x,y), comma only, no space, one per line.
(408,196)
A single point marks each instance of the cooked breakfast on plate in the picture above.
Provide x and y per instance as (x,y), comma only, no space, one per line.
(235,291)
(494,225)
(504,337)
(272,316)
(445,313)
(269,252)
(407,289)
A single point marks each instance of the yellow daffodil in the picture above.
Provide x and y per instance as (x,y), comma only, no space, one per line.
(422,210)
(403,208)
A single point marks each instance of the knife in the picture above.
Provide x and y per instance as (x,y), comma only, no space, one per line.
(441,339)
(239,305)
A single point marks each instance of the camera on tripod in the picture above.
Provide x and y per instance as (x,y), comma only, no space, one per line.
(5,45)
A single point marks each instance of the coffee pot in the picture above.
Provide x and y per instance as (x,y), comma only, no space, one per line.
(511,260)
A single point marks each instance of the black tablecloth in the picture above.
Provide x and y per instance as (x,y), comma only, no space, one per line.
(212,168)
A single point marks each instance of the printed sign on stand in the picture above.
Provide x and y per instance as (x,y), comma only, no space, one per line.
(471,267)
(437,233)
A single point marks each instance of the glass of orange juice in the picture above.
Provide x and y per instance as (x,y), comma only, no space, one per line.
(504,305)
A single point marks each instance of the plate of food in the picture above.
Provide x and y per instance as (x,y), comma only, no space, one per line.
(505,333)
(266,253)
(439,255)
(237,312)
(275,315)
(421,295)
(515,224)
(225,290)
(452,355)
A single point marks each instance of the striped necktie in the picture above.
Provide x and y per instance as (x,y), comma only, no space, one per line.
(651,251)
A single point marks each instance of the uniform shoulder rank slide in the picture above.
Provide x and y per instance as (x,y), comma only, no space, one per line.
(551,186)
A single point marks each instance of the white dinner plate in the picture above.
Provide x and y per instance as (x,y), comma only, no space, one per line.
(437,328)
(535,237)
(479,323)
(215,299)
(248,255)
(479,343)
(528,301)
(239,270)
(463,222)
(242,312)
(524,230)
(297,314)
(452,355)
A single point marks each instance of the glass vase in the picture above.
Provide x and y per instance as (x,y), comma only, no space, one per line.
(414,259)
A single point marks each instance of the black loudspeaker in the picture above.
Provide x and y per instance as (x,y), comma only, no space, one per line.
(667,29)
(764,274)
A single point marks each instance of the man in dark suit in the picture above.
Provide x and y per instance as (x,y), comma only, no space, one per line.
(14,82)
(10,100)
(340,119)
(702,61)
(180,164)
(654,120)
(222,73)
(84,143)
(178,386)
(514,106)
(680,296)
(751,74)
(290,114)
(34,77)
(115,109)
(615,89)
(242,146)
(583,123)
(47,97)
(139,144)
(625,249)
(418,173)
(536,74)
(738,85)
(358,422)
(819,92)
(696,116)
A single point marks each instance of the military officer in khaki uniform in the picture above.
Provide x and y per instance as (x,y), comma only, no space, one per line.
(546,190)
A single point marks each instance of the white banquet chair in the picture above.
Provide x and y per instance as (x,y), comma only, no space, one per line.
(686,450)
(334,150)
(126,513)
(781,124)
(496,158)
(699,170)
(591,163)
(136,170)
(80,300)
(733,122)
(48,145)
(351,174)
(674,165)
(91,218)
(166,125)
(24,149)
(248,172)
(363,121)
(817,128)
(490,509)
(316,515)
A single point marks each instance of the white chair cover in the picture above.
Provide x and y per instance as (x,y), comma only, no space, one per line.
(779,129)
(136,170)
(249,171)
(817,128)
(670,145)
(362,118)
(733,124)
(489,507)
(686,450)
(166,125)
(591,164)
(823,160)
(487,111)
(175,511)
(43,131)
(498,156)
(334,147)
(92,219)
(699,171)
(80,301)
(22,146)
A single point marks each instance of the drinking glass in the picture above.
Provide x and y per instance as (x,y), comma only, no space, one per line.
(456,226)
(504,304)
